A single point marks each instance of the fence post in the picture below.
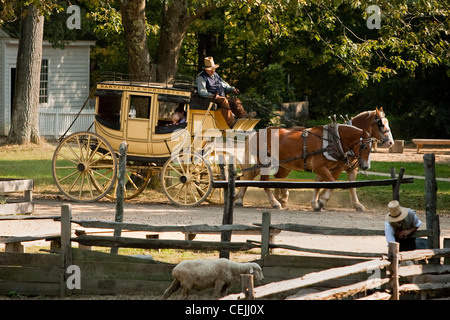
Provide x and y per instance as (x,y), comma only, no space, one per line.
(120,192)
(396,188)
(66,246)
(393,176)
(229,194)
(56,128)
(432,218)
(393,269)
(265,234)
(247,286)
(447,245)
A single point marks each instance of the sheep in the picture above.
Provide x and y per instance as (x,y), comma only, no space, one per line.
(201,274)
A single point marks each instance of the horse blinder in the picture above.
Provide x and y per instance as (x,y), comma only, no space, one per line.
(381,126)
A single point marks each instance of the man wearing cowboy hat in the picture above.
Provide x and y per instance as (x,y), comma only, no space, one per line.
(400,224)
(210,85)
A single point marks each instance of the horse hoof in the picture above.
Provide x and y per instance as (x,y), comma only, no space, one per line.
(321,204)
(360,208)
(317,207)
(239,204)
(277,206)
(283,203)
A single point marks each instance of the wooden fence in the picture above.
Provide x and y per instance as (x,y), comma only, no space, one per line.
(17,206)
(101,273)
(429,278)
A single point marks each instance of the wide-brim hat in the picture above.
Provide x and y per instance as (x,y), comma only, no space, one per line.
(396,212)
(209,63)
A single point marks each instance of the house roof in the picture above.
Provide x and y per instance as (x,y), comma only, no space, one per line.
(3,34)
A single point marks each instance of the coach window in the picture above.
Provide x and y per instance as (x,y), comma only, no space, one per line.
(108,108)
(140,107)
(167,105)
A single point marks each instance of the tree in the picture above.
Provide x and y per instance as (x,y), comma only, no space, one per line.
(25,121)
(133,20)
(177,16)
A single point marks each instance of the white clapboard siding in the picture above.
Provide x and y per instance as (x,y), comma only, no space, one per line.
(68,77)
(68,80)
(54,122)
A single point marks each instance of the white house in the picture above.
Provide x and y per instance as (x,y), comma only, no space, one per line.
(64,83)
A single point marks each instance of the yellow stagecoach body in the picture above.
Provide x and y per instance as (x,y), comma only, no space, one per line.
(85,166)
(140,114)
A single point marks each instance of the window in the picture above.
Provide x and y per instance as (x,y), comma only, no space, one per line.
(43,89)
(140,107)
(171,117)
(108,111)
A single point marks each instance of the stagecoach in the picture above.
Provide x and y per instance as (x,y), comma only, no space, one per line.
(85,164)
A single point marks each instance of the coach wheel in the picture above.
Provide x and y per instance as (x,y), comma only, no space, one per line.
(187,179)
(84,167)
(136,180)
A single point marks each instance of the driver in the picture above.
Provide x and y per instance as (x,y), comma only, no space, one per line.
(210,85)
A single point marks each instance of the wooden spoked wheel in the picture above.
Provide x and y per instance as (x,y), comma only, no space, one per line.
(187,179)
(216,159)
(84,167)
(137,178)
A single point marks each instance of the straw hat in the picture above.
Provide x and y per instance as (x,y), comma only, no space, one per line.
(209,63)
(396,213)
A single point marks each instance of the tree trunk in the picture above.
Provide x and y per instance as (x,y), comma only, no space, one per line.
(173,29)
(25,121)
(133,21)
(175,23)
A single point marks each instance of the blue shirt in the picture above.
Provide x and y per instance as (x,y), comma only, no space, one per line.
(208,86)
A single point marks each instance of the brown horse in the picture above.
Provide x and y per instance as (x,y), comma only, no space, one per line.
(303,150)
(377,125)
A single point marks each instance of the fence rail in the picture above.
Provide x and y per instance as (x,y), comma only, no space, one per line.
(391,264)
(265,228)
(312,184)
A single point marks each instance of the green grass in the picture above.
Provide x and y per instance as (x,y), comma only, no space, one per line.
(411,168)
(168,255)
(29,162)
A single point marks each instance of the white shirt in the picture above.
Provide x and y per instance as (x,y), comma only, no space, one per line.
(390,232)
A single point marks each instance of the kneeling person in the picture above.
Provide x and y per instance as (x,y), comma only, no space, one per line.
(400,224)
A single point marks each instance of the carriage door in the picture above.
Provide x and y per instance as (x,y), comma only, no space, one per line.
(138,120)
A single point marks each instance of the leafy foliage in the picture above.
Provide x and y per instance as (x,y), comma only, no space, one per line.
(280,51)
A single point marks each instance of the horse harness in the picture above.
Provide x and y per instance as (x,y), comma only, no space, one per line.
(335,147)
